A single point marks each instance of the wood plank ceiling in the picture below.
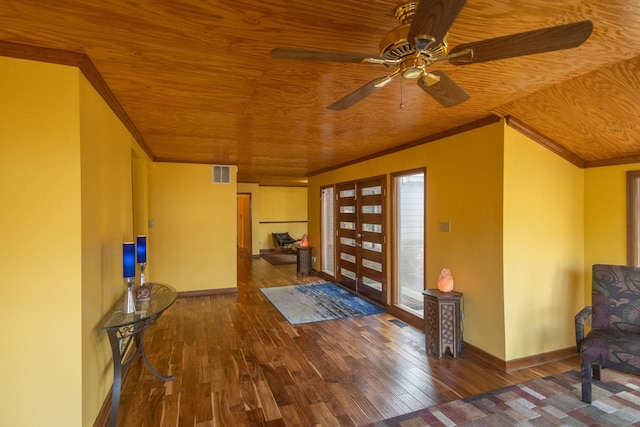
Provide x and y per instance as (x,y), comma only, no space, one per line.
(196,80)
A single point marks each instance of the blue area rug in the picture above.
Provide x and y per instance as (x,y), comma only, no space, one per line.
(318,302)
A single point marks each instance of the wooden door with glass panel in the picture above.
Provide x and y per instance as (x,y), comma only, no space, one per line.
(361,237)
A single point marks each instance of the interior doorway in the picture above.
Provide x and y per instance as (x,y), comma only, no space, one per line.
(361,235)
(244,224)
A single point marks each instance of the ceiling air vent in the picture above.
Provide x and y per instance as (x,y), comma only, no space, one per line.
(220,174)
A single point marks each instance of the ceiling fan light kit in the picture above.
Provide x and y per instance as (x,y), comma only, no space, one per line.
(420,40)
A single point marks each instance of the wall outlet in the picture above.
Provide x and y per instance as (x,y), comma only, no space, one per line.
(445,227)
(313,259)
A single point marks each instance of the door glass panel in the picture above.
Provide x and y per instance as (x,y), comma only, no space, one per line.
(347,225)
(371,246)
(371,191)
(372,209)
(347,194)
(347,209)
(348,241)
(348,273)
(374,265)
(348,257)
(372,228)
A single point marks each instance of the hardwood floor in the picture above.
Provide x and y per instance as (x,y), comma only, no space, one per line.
(237,362)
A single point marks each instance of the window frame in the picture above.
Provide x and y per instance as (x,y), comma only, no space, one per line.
(633,218)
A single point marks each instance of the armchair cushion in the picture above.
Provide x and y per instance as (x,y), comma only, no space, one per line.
(614,349)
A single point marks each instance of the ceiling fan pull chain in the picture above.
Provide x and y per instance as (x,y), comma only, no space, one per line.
(401,103)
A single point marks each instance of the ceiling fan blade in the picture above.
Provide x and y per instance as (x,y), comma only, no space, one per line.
(433,18)
(446,91)
(527,43)
(359,94)
(320,55)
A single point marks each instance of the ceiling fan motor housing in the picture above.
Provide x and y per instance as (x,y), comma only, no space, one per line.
(394,45)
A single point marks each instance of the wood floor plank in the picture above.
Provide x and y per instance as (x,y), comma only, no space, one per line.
(237,362)
(355,412)
(268,401)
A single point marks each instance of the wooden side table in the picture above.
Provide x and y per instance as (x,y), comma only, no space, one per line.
(304,260)
(443,322)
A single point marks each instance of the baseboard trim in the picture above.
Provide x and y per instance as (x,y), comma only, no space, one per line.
(488,359)
(539,359)
(517,364)
(207,292)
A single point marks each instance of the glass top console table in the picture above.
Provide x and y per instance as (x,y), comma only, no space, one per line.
(124,329)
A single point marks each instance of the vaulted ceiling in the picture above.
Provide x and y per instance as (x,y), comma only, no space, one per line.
(195,82)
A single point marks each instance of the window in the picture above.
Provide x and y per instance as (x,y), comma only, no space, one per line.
(633,218)
(327,232)
(409,241)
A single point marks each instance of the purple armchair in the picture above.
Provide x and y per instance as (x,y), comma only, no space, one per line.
(614,339)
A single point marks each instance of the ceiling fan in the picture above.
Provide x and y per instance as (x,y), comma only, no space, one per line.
(420,40)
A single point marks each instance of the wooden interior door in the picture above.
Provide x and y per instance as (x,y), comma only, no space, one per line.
(361,237)
(244,223)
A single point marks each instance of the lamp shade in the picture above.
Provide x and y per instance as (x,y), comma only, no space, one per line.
(128,259)
(141,248)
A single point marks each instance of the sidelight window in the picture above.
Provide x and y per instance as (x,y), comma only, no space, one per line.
(409,241)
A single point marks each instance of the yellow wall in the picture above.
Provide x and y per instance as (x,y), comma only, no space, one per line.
(464,187)
(66,176)
(543,248)
(192,244)
(605,218)
(40,363)
(281,209)
(106,151)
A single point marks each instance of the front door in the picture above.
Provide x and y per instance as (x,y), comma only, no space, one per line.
(362,238)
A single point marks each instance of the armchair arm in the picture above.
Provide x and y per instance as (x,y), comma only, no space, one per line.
(580,318)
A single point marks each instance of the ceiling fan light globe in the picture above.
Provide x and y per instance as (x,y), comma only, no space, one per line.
(413,68)
(412,73)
